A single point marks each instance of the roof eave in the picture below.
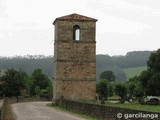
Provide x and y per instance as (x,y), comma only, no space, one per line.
(57,19)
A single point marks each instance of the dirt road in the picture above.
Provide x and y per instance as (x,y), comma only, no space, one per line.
(39,111)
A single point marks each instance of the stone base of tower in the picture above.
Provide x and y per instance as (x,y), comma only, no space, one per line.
(74,90)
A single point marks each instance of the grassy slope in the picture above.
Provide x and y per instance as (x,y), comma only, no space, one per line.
(137,106)
(131,72)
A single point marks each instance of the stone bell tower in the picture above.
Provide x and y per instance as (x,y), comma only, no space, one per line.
(74,57)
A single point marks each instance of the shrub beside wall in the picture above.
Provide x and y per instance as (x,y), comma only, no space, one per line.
(108,112)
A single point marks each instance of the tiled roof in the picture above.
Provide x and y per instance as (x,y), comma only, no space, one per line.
(75,17)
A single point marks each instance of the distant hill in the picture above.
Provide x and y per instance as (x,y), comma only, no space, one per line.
(28,63)
(103,62)
(132,59)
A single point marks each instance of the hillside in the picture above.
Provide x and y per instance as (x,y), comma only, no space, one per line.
(135,71)
(28,63)
(132,59)
(117,64)
(105,63)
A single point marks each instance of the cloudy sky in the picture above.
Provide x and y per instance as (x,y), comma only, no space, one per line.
(123,25)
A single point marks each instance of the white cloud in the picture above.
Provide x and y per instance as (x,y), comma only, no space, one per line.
(1,35)
(26,25)
(2,10)
(122,7)
(119,25)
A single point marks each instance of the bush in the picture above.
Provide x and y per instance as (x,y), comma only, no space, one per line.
(121,90)
(45,94)
(102,88)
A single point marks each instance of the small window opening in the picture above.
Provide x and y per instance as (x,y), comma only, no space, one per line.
(76,32)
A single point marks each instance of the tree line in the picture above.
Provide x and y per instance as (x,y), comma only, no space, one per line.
(15,83)
(103,62)
(132,59)
(28,63)
(146,84)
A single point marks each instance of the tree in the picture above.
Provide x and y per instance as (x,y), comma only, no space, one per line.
(13,82)
(153,86)
(144,77)
(29,86)
(139,92)
(110,89)
(37,91)
(107,75)
(134,87)
(151,77)
(121,90)
(50,90)
(102,88)
(38,79)
(154,60)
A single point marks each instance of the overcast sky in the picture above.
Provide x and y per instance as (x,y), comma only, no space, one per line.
(122,26)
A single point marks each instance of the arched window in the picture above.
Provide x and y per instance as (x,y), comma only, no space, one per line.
(76,32)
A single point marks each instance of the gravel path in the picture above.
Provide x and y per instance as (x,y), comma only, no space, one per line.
(39,111)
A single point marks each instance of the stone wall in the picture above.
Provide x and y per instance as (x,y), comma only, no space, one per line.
(108,112)
(1,109)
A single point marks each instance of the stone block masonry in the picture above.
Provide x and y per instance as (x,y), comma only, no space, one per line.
(74,59)
(1,108)
(101,112)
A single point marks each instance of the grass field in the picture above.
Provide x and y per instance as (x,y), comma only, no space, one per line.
(131,72)
(136,106)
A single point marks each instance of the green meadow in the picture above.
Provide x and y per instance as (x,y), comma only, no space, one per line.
(131,72)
